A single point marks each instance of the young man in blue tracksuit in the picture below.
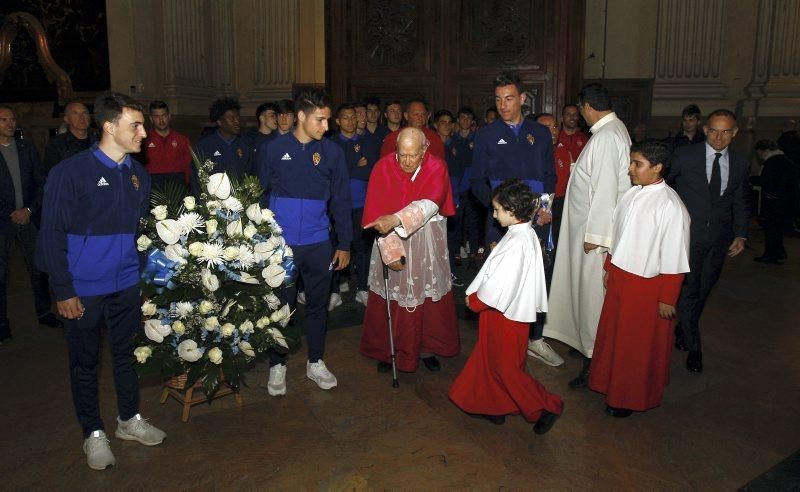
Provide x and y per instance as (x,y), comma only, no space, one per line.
(305,181)
(360,154)
(87,244)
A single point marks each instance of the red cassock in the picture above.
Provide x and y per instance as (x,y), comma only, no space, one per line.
(631,359)
(494,380)
(430,327)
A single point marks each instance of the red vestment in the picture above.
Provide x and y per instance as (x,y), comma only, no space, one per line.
(436,146)
(494,380)
(631,358)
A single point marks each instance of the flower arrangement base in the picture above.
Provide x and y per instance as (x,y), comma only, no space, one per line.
(176,388)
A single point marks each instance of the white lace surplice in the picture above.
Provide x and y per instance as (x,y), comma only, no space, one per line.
(423,235)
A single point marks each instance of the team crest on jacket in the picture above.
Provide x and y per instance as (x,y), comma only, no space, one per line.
(239,152)
(135,181)
(471,145)
(530,138)
(357,148)
(453,151)
(174,144)
(316,158)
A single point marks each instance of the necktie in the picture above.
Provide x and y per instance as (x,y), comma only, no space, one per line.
(715,183)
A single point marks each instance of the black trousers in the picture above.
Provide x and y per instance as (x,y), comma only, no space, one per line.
(774,226)
(25,236)
(121,314)
(705,264)
(362,249)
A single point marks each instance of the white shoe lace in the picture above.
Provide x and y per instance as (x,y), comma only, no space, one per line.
(320,369)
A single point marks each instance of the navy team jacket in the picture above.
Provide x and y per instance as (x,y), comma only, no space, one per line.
(355,148)
(90,217)
(500,153)
(302,184)
(234,157)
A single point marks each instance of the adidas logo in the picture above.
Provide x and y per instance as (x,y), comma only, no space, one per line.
(151,145)
(216,153)
(286,157)
(102,182)
(501,142)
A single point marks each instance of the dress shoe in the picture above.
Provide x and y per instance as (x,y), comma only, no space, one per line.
(694,362)
(432,363)
(50,320)
(582,381)
(545,422)
(495,419)
(384,367)
(619,413)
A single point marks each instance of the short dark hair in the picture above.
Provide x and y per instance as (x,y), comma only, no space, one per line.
(443,112)
(418,99)
(155,105)
(596,96)
(108,106)
(691,110)
(467,111)
(722,112)
(656,152)
(359,104)
(392,103)
(343,107)
(221,106)
(516,197)
(310,100)
(491,109)
(542,115)
(509,78)
(264,107)
(766,144)
(372,101)
(285,106)
(569,105)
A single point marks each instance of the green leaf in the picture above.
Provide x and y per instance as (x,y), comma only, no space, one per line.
(211,383)
(169,193)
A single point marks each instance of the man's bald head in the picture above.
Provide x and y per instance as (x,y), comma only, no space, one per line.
(412,136)
(411,147)
(77,118)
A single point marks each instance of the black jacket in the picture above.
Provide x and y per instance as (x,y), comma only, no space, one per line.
(32,184)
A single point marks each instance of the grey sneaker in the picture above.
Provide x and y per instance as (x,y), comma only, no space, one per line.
(276,386)
(98,452)
(544,352)
(138,429)
(320,374)
(362,296)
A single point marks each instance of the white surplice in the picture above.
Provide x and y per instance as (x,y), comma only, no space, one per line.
(651,232)
(511,279)
(598,180)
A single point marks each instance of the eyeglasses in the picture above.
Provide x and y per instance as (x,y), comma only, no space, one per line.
(724,133)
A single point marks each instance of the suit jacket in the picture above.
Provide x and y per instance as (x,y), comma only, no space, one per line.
(32,184)
(715,221)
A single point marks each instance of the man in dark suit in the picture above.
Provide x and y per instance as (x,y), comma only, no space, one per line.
(20,198)
(711,179)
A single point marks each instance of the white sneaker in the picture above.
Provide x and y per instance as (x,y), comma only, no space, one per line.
(276,386)
(301,298)
(320,374)
(98,452)
(334,301)
(362,296)
(544,352)
(138,429)
(344,287)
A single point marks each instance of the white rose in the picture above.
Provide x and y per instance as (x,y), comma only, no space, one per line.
(246,327)
(211,323)
(160,212)
(234,228)
(169,230)
(211,226)
(227,329)
(213,206)
(247,349)
(215,355)
(176,253)
(230,253)
(219,185)
(178,327)
(278,336)
(143,243)
(267,214)
(254,213)
(262,322)
(233,204)
(274,275)
(205,307)
(155,331)
(142,354)
(188,351)
(148,308)
(249,231)
(189,203)
(196,249)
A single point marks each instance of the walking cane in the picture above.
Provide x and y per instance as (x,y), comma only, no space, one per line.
(395,384)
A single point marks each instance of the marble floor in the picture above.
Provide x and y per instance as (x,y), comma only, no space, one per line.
(715,431)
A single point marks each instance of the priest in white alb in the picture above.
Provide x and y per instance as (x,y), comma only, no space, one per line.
(644,270)
(599,179)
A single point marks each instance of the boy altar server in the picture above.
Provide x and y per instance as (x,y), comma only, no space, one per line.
(643,274)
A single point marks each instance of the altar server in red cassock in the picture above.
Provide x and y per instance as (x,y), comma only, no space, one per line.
(408,201)
(643,274)
(508,292)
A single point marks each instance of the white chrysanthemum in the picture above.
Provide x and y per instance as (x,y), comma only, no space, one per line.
(191,221)
(182,310)
(246,256)
(211,254)
(233,204)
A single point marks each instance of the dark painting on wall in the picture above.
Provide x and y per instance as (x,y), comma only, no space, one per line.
(78,39)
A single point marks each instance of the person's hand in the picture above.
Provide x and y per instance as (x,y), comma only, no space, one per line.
(70,308)
(666,311)
(736,247)
(362,162)
(605,279)
(20,216)
(384,223)
(340,259)
(543,216)
(466,301)
(492,245)
(589,246)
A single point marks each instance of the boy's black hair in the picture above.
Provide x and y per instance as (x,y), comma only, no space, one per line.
(372,100)
(310,100)
(267,106)
(155,105)
(517,198)
(509,78)
(221,106)
(443,112)
(691,110)
(467,111)
(656,152)
(596,95)
(108,106)
(343,106)
(285,106)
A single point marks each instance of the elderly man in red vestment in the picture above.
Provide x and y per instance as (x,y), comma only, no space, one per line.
(408,200)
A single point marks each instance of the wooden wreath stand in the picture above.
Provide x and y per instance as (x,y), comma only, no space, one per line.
(176,388)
